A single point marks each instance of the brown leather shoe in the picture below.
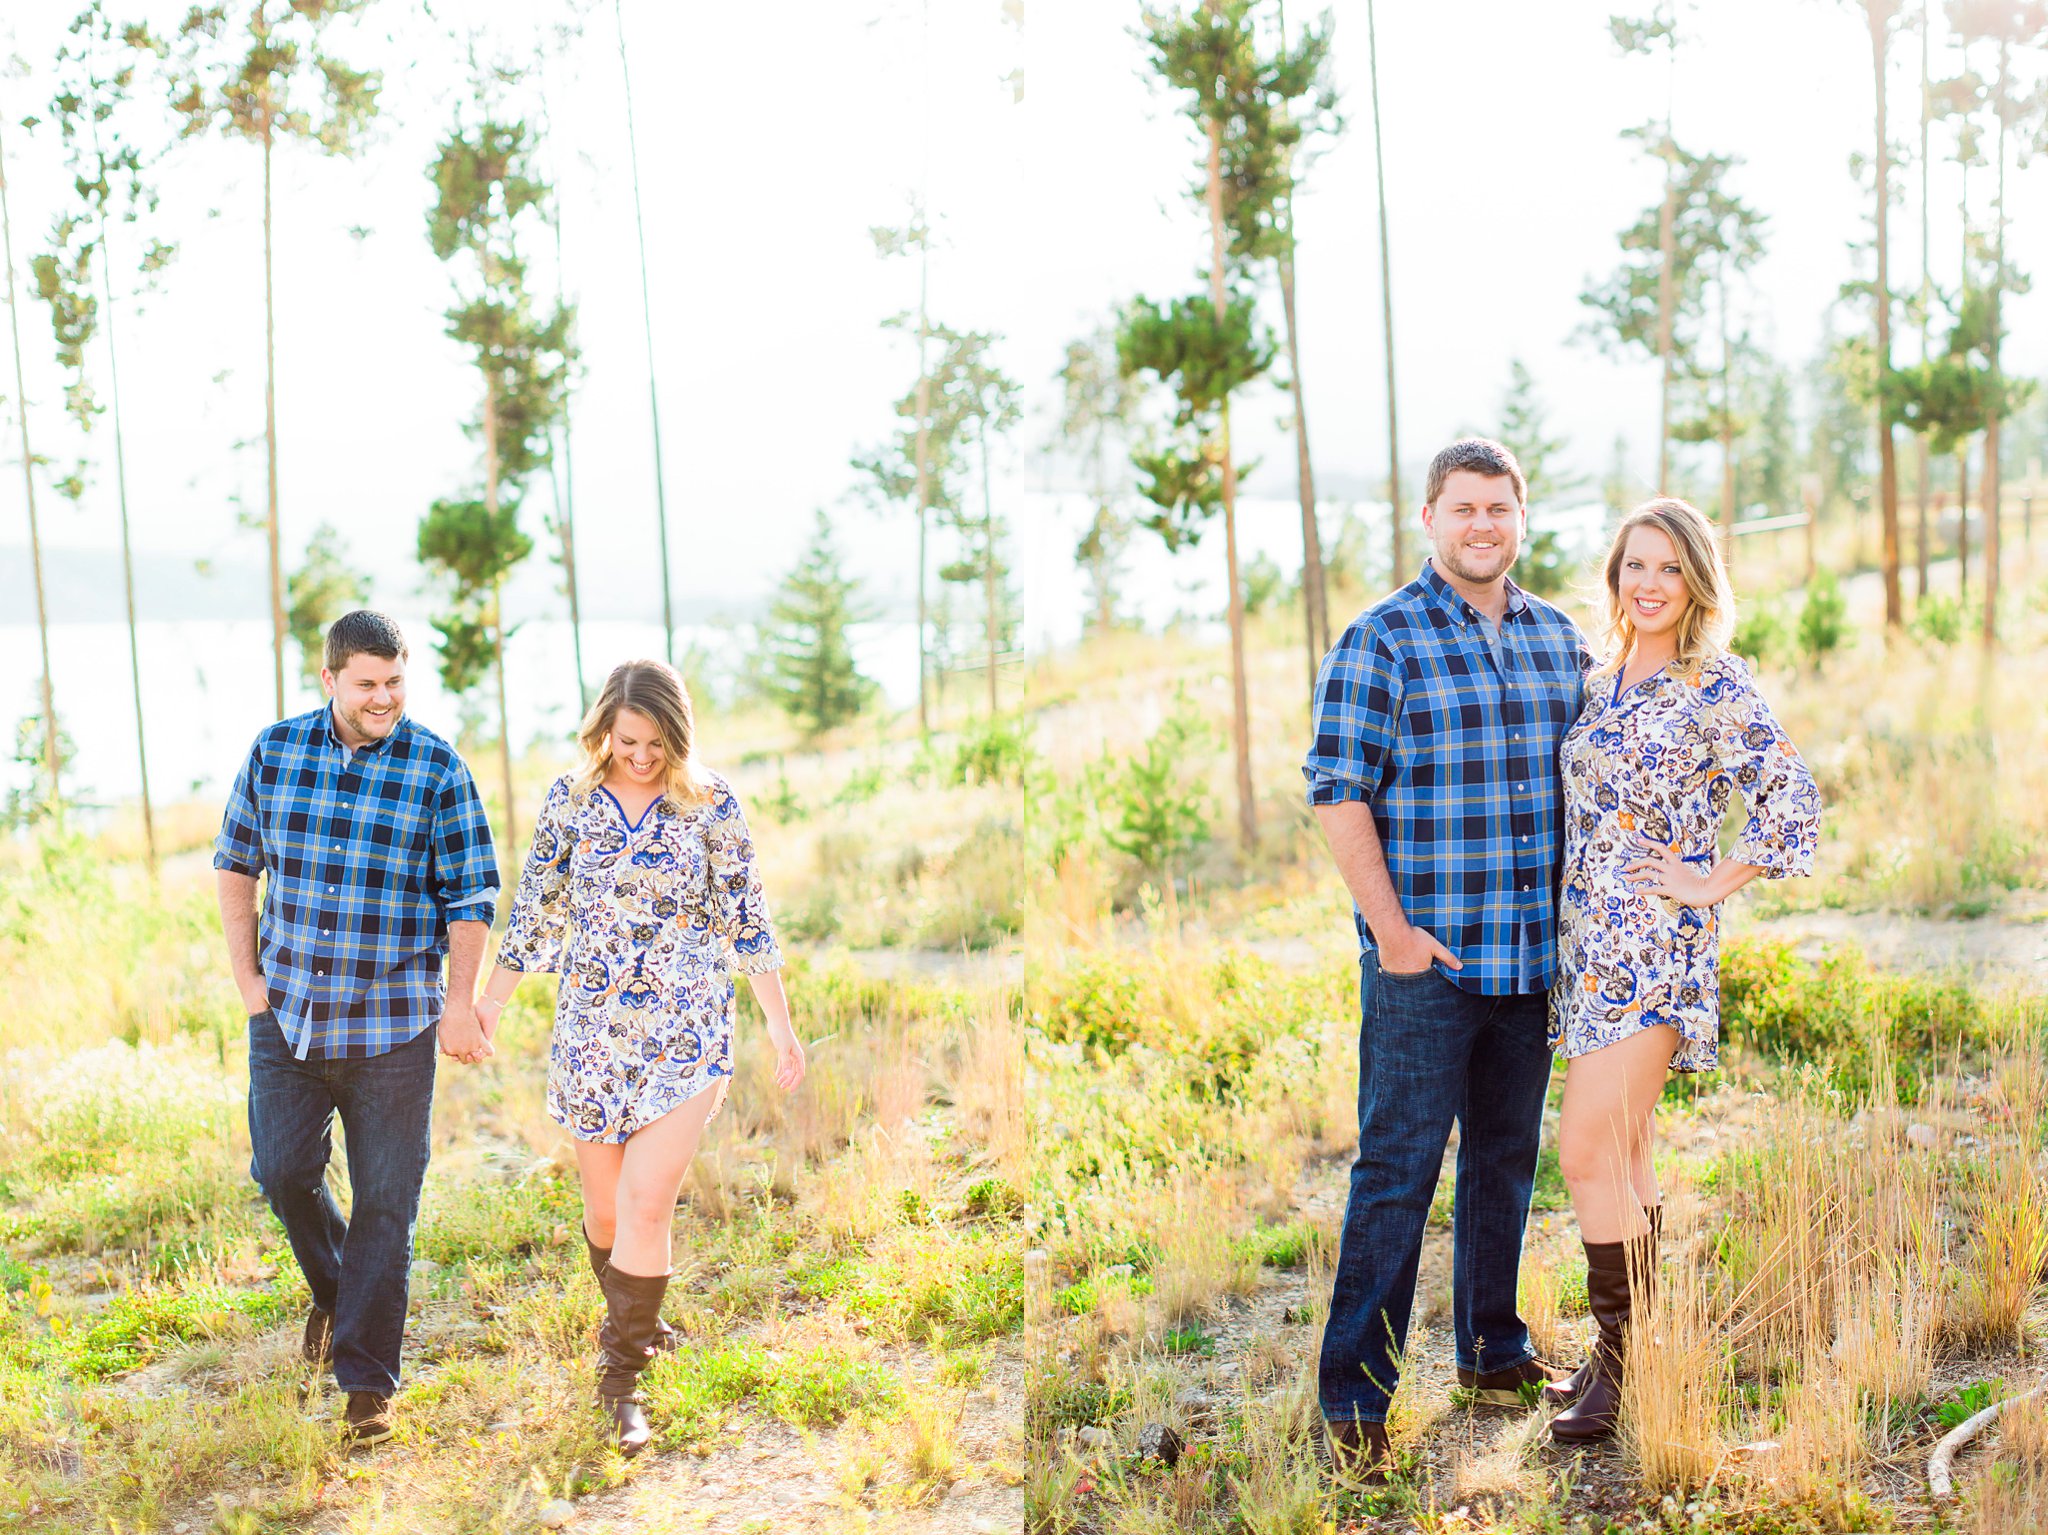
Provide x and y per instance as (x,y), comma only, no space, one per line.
(1563,1393)
(369,1417)
(317,1345)
(1359,1447)
(1504,1388)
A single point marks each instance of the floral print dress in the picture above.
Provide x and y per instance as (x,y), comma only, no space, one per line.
(644,921)
(1660,761)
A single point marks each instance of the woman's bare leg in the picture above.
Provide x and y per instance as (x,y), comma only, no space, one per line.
(650,1174)
(598,1164)
(1606,1129)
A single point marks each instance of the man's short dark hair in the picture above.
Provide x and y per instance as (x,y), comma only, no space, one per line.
(1481,455)
(362,633)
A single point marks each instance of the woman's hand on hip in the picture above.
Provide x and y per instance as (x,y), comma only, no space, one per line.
(1654,869)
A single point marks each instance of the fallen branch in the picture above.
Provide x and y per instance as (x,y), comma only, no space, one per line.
(1941,1464)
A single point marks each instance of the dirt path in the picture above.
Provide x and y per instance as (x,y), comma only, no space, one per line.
(2007,946)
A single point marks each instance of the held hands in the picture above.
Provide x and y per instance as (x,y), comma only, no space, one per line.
(462,1033)
(1413,950)
(1654,869)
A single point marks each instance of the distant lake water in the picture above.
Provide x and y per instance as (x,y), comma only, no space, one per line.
(207,682)
(207,689)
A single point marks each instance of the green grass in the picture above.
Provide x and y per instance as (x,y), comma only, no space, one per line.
(695,1391)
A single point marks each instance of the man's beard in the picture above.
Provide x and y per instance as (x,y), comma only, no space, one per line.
(1454,558)
(357,721)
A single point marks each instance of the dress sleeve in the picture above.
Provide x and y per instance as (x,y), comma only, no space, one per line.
(739,909)
(540,906)
(1750,749)
(1355,713)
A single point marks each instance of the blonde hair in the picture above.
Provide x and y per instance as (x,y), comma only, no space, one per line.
(1709,618)
(655,689)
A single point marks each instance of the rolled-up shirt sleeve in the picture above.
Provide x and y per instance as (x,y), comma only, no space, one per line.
(1354,714)
(239,847)
(465,872)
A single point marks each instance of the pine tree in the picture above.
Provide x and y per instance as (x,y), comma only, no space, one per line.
(817,681)
(319,592)
(1525,431)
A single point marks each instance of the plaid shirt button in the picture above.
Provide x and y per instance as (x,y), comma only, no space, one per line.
(440,868)
(1412,716)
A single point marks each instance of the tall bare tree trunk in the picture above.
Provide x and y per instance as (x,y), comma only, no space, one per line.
(924,482)
(270,435)
(1667,288)
(1240,716)
(564,490)
(988,565)
(1963,518)
(498,606)
(1315,603)
(1399,573)
(1994,481)
(127,545)
(1727,425)
(1887,452)
(1921,464)
(28,480)
(668,612)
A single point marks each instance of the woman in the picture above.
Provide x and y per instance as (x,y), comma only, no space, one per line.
(1672,728)
(640,890)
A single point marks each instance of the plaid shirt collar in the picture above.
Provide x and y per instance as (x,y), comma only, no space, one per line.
(332,729)
(1452,602)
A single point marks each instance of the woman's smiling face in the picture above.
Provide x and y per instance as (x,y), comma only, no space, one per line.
(637,748)
(1651,584)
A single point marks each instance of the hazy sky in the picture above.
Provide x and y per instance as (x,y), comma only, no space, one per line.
(768,147)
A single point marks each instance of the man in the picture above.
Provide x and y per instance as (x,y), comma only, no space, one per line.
(1433,774)
(377,861)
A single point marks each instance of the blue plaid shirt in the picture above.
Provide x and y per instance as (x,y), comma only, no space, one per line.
(370,855)
(1457,755)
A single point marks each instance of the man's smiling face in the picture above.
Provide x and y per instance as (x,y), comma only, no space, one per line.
(368,694)
(1476,525)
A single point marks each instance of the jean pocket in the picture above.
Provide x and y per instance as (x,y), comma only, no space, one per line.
(1405,975)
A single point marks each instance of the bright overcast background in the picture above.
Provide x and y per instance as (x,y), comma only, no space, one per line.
(771,140)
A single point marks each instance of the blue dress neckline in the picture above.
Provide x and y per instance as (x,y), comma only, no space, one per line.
(631,824)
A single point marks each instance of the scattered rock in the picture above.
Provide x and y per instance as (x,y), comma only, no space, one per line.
(1035,1261)
(1119,1271)
(1158,1442)
(1092,1437)
(1760,1450)
(556,1514)
(424,1269)
(502,1426)
(783,1496)
(1194,1403)
(1922,1136)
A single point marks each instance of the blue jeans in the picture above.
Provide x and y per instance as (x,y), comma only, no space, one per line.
(357,1268)
(1428,1054)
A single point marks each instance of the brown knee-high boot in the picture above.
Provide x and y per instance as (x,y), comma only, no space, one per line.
(632,1308)
(1620,1278)
(666,1338)
(1562,1393)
